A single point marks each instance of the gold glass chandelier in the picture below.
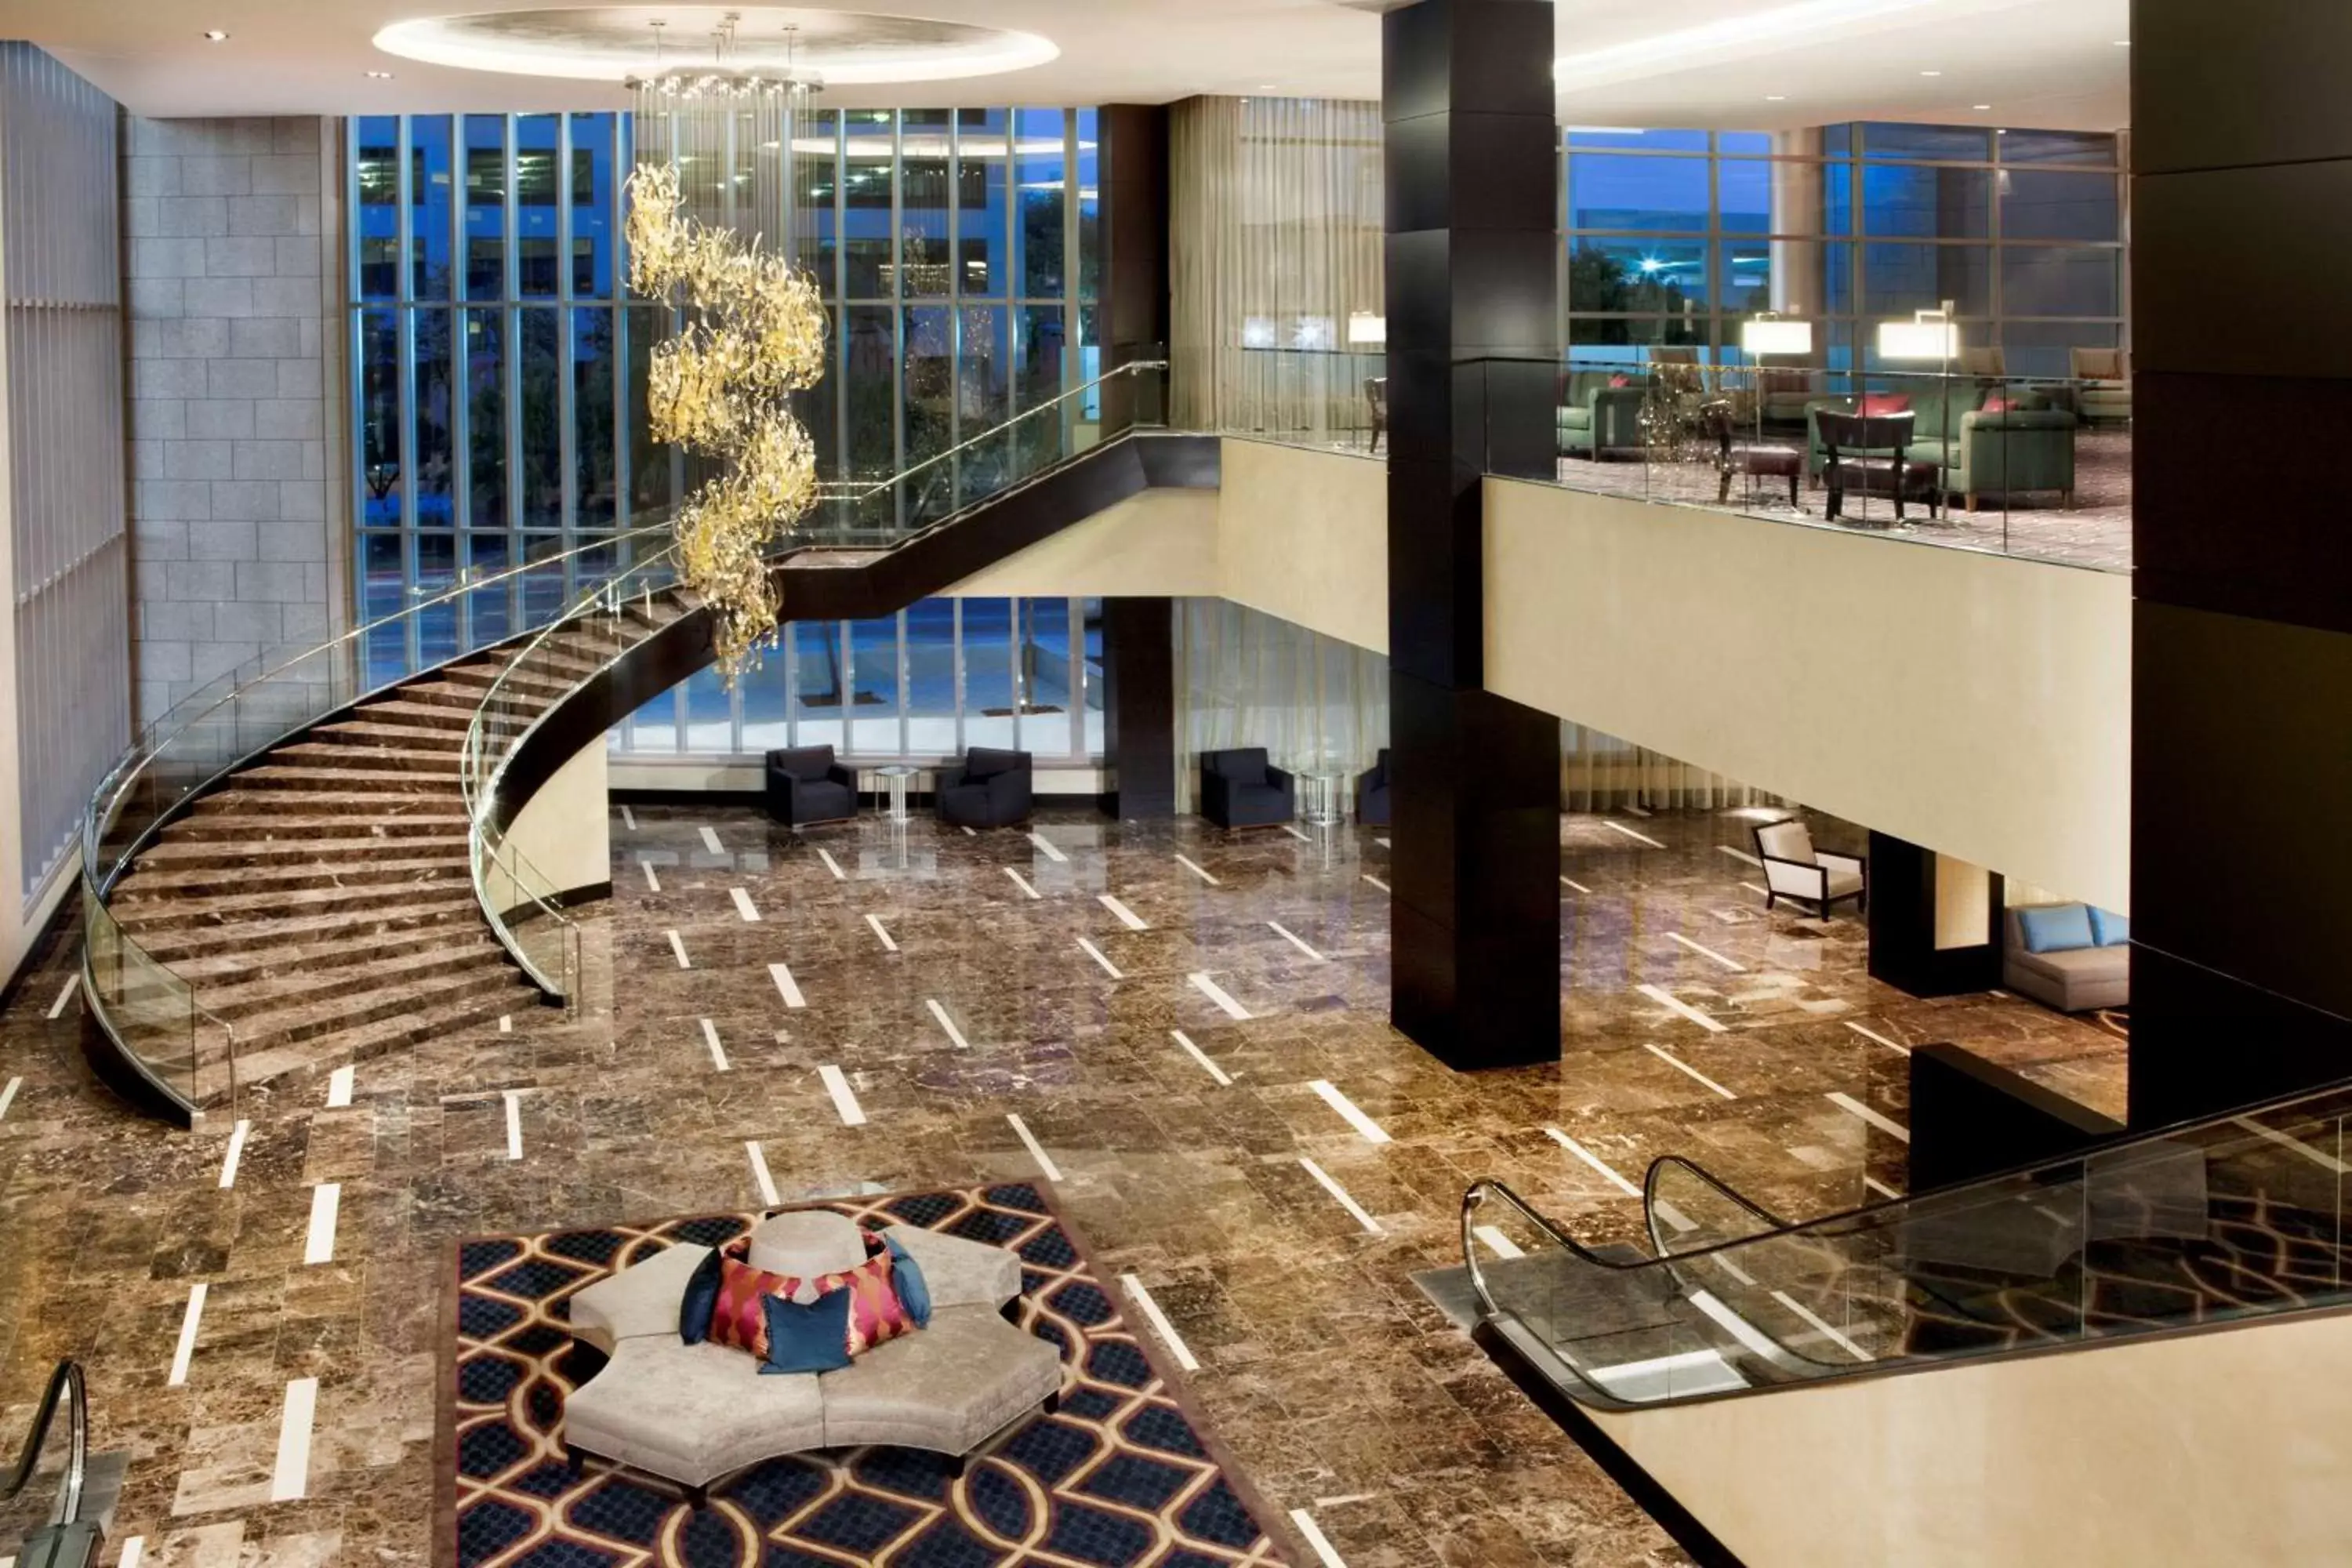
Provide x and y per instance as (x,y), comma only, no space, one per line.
(748,331)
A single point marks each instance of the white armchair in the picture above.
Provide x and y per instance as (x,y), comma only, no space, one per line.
(1793,869)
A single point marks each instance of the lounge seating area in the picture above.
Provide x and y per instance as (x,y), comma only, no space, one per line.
(2073,957)
(806,787)
(1794,869)
(1240,788)
(991,787)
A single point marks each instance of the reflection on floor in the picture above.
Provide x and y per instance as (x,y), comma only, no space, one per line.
(2095,531)
(1182,1031)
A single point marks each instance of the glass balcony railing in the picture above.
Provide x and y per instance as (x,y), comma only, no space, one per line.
(2226,1219)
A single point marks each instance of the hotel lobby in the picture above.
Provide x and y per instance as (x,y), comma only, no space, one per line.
(1320,784)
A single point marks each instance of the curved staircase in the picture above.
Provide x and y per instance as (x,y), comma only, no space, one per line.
(321,899)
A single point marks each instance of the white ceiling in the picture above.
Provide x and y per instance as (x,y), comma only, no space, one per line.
(1630,62)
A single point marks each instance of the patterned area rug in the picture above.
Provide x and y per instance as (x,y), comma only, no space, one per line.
(1120,1475)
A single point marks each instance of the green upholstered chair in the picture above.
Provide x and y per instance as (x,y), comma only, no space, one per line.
(2004,454)
(1595,418)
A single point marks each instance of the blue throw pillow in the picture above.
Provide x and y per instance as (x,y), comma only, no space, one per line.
(694,1309)
(2057,927)
(814,1338)
(907,1278)
(2109,930)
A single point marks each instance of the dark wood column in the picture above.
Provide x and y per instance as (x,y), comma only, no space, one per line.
(1135,292)
(1139,706)
(1471,152)
(2242,846)
(1934,922)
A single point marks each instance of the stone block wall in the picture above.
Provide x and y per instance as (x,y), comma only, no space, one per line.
(240,529)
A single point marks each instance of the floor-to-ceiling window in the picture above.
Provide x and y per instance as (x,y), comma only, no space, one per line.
(1674,237)
(499,369)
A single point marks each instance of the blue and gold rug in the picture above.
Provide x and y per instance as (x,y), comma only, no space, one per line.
(1120,1475)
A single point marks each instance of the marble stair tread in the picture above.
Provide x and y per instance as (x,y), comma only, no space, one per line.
(381,1038)
(329,953)
(411,715)
(264,811)
(174,851)
(149,881)
(281,985)
(170,913)
(363,732)
(443,913)
(368,756)
(353,780)
(298,1015)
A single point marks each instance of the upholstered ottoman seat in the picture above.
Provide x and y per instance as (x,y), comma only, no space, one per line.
(694,1413)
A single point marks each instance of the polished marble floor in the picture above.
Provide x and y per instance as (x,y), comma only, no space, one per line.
(1181,1030)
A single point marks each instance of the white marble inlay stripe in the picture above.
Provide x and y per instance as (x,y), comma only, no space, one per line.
(1737,854)
(765,1183)
(1198,871)
(710,841)
(628,819)
(1590,1158)
(1835,1335)
(1159,1323)
(1036,1149)
(237,1137)
(185,1350)
(326,1202)
(1370,1131)
(743,905)
(1735,967)
(653,883)
(678,947)
(2319,1157)
(1575,886)
(1325,1553)
(73,982)
(1022,882)
(1048,848)
(8,1096)
(1287,934)
(513,1098)
(1097,954)
(710,1038)
(339,1085)
(1643,837)
(946,1024)
(1216,993)
(1295,834)
(1356,1210)
(844,1098)
(134,1552)
(786,986)
(832,865)
(506,1022)
(1847,1103)
(1659,994)
(875,922)
(1673,1060)
(1376,882)
(1498,1244)
(1882,1189)
(971,833)
(1201,1057)
(1382,842)
(1127,917)
(290,1477)
(1757,888)
(1881,1039)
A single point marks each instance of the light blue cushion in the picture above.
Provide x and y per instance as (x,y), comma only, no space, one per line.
(2056,928)
(2109,930)
(907,1278)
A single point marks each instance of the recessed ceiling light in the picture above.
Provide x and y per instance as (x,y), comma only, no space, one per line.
(380,76)
(214,36)
(1980,106)
(2123,43)
(1266,86)
(1931,73)
(1776,97)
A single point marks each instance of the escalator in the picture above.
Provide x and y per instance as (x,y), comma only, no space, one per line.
(1659,1360)
(67,1540)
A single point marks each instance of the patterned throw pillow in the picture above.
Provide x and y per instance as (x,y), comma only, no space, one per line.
(1882,405)
(737,1318)
(1996,405)
(877,1315)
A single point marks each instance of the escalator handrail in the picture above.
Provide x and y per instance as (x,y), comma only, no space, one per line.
(65,1387)
(1649,1198)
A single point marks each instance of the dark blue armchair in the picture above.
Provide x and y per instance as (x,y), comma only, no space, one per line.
(805,785)
(1372,793)
(991,788)
(1240,789)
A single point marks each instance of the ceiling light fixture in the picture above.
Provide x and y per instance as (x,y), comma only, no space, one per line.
(379,76)
(214,36)
(1980,106)
(1931,73)
(1730,36)
(1776,97)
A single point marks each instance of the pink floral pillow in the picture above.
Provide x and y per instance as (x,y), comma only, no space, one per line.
(1879,404)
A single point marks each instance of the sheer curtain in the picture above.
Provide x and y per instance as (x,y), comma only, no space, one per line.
(1253,680)
(1602,773)
(1276,233)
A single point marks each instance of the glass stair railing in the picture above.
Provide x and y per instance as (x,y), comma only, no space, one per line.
(2231,1218)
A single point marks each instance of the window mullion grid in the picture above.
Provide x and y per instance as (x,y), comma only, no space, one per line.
(510,365)
(404,337)
(898,313)
(567,439)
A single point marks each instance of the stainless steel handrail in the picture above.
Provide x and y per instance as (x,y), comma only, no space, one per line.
(65,1387)
(877,486)
(1650,1198)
